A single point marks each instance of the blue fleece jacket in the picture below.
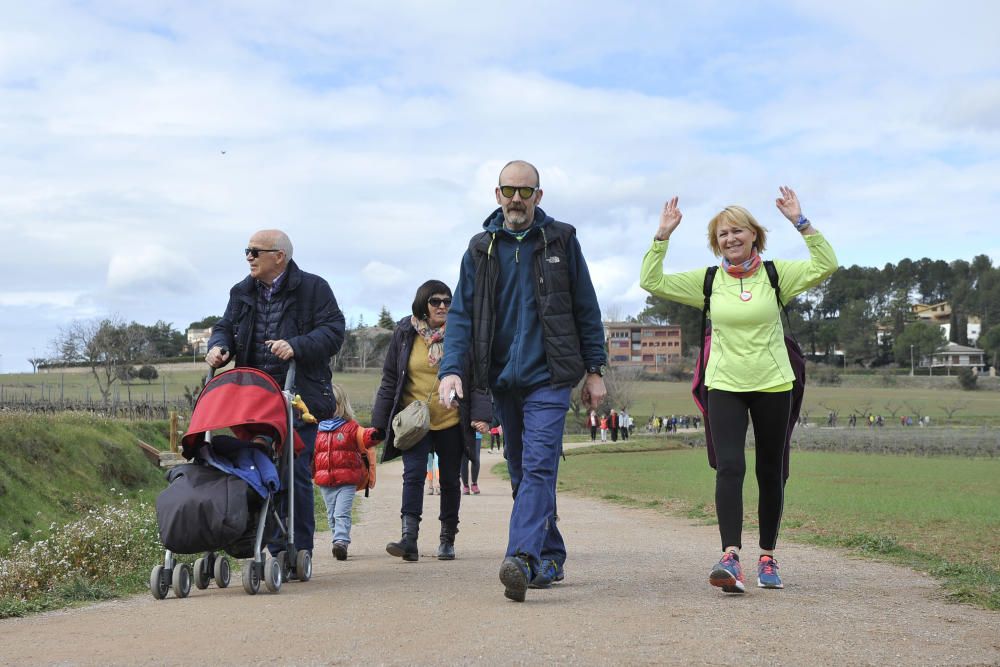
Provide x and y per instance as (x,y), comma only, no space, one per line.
(518,351)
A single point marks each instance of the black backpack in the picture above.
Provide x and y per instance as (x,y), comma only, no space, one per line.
(798,361)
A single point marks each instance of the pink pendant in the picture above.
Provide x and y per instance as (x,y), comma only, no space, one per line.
(745,295)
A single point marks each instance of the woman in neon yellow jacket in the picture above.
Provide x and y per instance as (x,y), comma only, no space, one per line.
(749,376)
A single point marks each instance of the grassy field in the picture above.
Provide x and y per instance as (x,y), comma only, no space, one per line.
(937,514)
(54,468)
(891,397)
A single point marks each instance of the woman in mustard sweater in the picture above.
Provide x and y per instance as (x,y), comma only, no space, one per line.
(749,376)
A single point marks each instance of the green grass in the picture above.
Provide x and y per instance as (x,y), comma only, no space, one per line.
(940,515)
(54,466)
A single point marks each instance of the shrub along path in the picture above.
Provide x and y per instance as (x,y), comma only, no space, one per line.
(636,592)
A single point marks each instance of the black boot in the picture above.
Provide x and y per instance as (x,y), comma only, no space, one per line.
(447,549)
(406,548)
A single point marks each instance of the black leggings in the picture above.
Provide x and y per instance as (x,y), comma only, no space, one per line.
(727,414)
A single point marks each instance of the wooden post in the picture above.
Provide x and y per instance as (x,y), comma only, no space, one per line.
(173,431)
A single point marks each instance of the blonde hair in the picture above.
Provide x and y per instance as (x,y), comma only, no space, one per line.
(344,409)
(736,216)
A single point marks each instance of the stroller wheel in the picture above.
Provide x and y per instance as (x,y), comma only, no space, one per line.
(222,573)
(304,565)
(286,567)
(182,580)
(158,584)
(272,574)
(201,574)
(251,578)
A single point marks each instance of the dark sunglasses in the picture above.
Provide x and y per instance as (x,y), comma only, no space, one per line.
(437,303)
(255,252)
(509,190)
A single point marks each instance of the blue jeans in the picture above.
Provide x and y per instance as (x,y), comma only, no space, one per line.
(305,522)
(533,429)
(447,444)
(339,501)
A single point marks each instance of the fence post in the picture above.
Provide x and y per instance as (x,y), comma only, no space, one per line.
(173,431)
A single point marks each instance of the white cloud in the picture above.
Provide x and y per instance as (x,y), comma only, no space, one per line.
(374,133)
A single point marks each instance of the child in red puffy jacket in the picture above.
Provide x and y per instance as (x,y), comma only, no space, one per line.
(343,463)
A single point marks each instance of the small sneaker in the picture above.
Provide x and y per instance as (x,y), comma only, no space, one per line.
(767,573)
(430,490)
(340,550)
(514,575)
(465,490)
(475,489)
(727,574)
(549,573)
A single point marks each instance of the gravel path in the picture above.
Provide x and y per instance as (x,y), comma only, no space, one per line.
(635,593)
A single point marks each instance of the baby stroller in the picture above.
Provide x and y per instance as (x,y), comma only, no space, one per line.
(226,499)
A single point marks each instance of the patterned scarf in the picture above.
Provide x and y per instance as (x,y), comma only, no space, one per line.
(433,337)
(744,269)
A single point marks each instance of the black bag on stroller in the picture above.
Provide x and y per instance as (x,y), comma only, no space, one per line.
(202,509)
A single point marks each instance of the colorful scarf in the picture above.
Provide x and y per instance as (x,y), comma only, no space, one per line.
(433,337)
(744,269)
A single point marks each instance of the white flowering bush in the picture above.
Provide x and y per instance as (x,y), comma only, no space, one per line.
(105,550)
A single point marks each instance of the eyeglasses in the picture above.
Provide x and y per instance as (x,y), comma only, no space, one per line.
(255,252)
(437,303)
(509,190)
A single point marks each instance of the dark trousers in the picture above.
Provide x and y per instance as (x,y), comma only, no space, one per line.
(614,434)
(447,444)
(728,416)
(305,521)
(593,433)
(624,430)
(466,461)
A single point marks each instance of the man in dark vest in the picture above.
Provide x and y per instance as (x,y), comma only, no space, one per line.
(276,314)
(526,311)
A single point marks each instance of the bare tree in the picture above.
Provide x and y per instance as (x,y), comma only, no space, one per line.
(35,363)
(893,408)
(952,408)
(614,313)
(109,347)
(917,410)
(621,383)
(832,414)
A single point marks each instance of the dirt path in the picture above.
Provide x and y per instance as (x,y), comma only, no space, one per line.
(635,593)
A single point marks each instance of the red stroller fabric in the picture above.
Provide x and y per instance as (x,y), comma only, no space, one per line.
(245,400)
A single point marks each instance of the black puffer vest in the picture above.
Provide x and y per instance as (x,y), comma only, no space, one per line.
(266,323)
(553,294)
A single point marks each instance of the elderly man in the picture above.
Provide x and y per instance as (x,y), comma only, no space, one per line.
(276,314)
(526,309)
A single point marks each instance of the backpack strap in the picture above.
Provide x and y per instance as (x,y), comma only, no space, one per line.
(772,276)
(706,290)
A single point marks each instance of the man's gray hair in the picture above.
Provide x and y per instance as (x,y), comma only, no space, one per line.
(283,243)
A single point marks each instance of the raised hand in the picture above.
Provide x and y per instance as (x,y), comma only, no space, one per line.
(670,217)
(788,204)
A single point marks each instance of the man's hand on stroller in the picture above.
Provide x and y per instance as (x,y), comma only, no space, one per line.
(280,348)
(217,357)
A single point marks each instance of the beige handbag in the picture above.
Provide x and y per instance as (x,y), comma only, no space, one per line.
(410,425)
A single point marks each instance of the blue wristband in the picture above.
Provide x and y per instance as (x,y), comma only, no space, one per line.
(802,222)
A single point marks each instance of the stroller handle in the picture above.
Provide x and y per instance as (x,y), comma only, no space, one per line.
(289,376)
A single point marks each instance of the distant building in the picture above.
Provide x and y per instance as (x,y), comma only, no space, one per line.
(955,356)
(197,340)
(940,314)
(649,346)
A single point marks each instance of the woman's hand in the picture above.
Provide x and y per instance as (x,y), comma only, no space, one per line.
(670,217)
(788,204)
(482,427)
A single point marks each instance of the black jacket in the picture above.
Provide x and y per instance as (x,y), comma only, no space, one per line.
(475,406)
(311,322)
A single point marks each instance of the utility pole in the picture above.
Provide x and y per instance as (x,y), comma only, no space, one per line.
(911,361)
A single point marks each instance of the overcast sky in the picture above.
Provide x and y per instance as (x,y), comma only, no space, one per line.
(141,143)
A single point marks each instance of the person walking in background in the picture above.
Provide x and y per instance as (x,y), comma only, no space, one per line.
(433,474)
(472,461)
(409,374)
(592,422)
(277,314)
(344,463)
(526,308)
(748,372)
(604,428)
(626,423)
(613,425)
